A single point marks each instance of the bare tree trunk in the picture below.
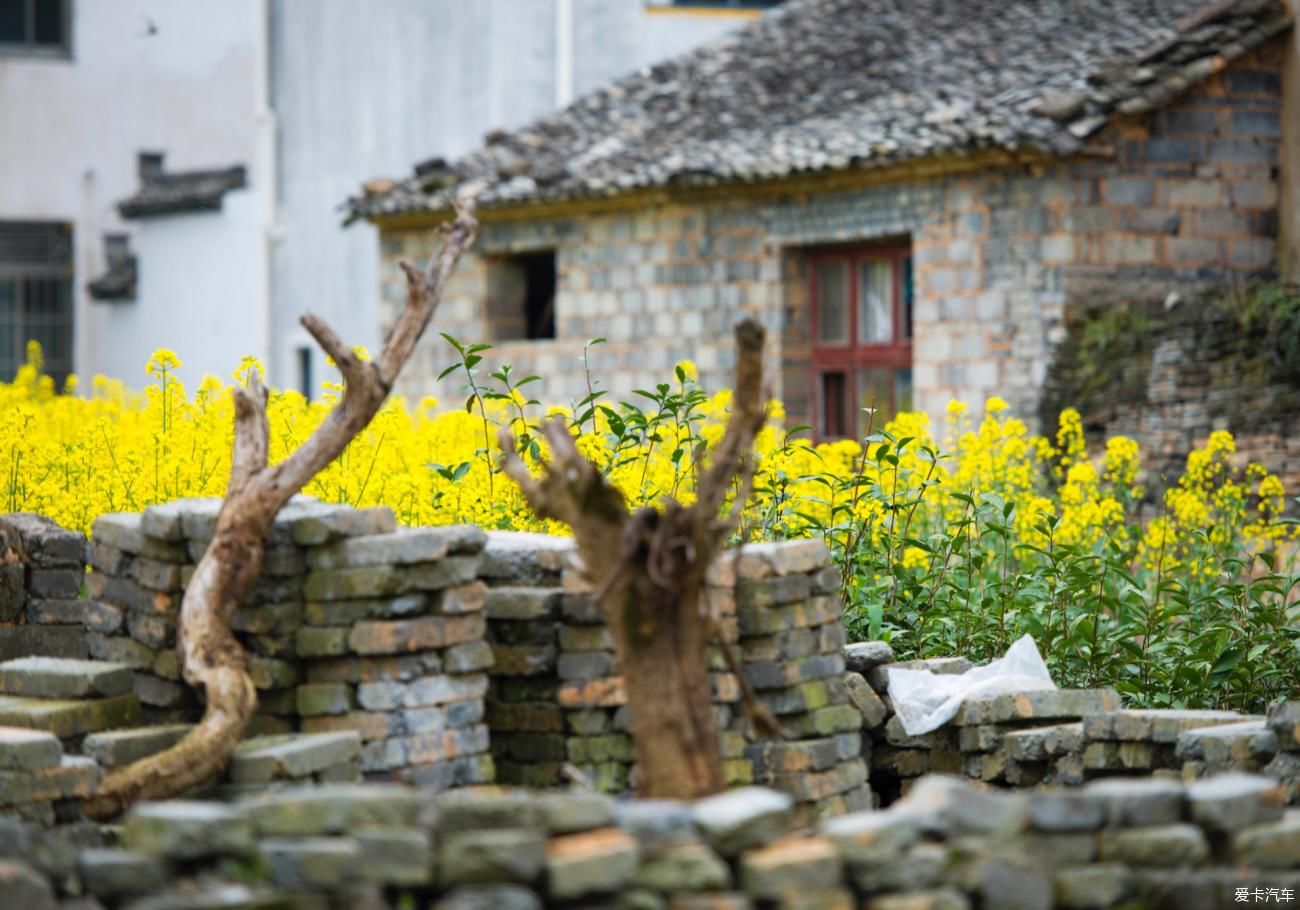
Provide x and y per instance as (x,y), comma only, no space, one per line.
(211,657)
(649,568)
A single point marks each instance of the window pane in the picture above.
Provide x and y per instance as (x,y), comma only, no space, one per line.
(833,403)
(874,391)
(876,301)
(907,297)
(13,21)
(49,22)
(902,389)
(832,303)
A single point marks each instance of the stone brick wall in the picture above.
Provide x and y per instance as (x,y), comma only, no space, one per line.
(1175,199)
(1169,376)
(353,626)
(557,709)
(42,568)
(948,846)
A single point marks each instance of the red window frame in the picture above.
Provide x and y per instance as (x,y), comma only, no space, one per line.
(853,356)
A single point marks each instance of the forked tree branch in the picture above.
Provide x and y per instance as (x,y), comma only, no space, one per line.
(211,657)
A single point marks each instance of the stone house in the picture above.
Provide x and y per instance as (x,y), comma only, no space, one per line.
(910,196)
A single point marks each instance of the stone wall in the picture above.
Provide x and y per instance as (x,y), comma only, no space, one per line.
(1171,375)
(351,626)
(947,846)
(557,709)
(1180,198)
(42,568)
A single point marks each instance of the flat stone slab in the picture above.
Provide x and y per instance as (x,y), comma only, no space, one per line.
(1041,704)
(1284,721)
(1231,802)
(74,777)
(28,750)
(864,656)
(295,755)
(69,718)
(310,811)
(63,677)
(118,873)
(401,547)
(602,861)
(185,829)
(112,748)
(1235,743)
(1154,725)
(739,819)
(310,864)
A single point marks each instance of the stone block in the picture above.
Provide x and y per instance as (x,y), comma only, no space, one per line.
(1094,887)
(1231,802)
(22,886)
(113,748)
(184,830)
(395,856)
(864,656)
(112,873)
(54,677)
(311,864)
(520,603)
(1137,802)
(28,750)
(953,805)
(793,557)
(426,633)
(268,619)
(48,641)
(1160,846)
(1042,704)
(313,524)
(602,861)
(1062,809)
(401,547)
(1156,725)
(314,699)
(13,593)
(67,719)
(657,823)
(1246,745)
(574,811)
(306,811)
(789,866)
(300,755)
(40,542)
(55,583)
(1273,845)
(56,612)
(684,867)
(1284,720)
(490,856)
(490,807)
(515,557)
(865,699)
(123,531)
(740,819)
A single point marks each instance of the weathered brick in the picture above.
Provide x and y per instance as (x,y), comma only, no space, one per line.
(397,636)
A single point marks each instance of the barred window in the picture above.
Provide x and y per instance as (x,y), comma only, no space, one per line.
(36,295)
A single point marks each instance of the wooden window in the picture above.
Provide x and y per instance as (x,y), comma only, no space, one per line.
(35,295)
(38,27)
(862,336)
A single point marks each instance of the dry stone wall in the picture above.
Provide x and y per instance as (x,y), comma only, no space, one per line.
(947,846)
(557,709)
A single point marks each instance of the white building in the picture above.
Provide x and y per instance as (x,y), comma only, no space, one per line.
(170,172)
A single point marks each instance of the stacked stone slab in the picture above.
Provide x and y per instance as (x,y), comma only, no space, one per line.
(792,645)
(1284,722)
(393,647)
(42,569)
(946,846)
(352,626)
(557,707)
(38,782)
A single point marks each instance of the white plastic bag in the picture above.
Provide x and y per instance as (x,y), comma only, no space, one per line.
(926,701)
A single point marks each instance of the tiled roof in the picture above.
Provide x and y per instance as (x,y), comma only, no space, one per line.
(826,85)
(187,191)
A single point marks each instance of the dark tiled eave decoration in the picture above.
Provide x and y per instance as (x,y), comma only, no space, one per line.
(833,85)
(176,193)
